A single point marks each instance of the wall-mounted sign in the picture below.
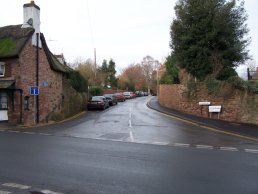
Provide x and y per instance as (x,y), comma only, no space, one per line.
(34,90)
(45,83)
(204,103)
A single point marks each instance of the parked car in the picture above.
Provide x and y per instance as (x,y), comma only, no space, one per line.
(139,93)
(127,95)
(119,97)
(111,99)
(133,94)
(97,102)
(146,94)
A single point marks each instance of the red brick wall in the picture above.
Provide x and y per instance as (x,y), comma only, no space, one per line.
(237,106)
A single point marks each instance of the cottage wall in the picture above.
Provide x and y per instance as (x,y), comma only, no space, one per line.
(23,71)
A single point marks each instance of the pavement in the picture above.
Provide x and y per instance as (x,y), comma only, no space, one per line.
(242,130)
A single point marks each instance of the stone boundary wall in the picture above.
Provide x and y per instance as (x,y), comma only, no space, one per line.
(237,105)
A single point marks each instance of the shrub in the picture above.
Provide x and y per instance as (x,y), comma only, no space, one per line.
(96,90)
(241,84)
(78,82)
(166,79)
(191,86)
(238,83)
(213,85)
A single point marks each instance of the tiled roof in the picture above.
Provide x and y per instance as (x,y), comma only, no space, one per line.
(12,40)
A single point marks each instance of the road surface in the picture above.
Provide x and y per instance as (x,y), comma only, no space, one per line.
(127,148)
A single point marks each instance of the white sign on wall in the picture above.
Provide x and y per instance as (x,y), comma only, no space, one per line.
(204,103)
(215,108)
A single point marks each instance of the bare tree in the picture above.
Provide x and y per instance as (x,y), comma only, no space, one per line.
(149,65)
(252,65)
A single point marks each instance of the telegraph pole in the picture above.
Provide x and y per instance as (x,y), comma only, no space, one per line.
(95,62)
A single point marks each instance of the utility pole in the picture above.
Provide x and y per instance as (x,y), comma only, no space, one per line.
(95,62)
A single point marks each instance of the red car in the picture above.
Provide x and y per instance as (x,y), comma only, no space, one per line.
(119,97)
(98,102)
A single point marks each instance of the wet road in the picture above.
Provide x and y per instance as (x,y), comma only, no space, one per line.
(127,148)
(53,164)
(133,121)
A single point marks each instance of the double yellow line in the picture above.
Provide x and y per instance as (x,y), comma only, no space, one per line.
(203,126)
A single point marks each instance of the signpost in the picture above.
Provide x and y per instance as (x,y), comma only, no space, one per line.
(215,109)
(202,104)
(34,91)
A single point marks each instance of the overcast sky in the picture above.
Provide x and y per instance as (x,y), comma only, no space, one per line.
(124,30)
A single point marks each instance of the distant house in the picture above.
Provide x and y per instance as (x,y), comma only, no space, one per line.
(252,75)
(255,75)
(32,79)
(61,58)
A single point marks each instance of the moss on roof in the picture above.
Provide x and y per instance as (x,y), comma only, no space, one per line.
(7,45)
(12,40)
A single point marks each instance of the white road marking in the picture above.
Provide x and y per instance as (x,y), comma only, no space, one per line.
(30,133)
(204,147)
(131,136)
(231,149)
(130,123)
(49,192)
(4,192)
(251,151)
(15,185)
(14,131)
(142,142)
(44,134)
(181,145)
(161,143)
(77,136)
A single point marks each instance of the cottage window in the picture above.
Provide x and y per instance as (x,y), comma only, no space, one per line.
(3,101)
(27,102)
(2,69)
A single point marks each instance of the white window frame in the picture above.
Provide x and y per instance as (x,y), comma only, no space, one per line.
(2,69)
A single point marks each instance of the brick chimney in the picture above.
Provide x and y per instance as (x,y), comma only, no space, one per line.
(31,18)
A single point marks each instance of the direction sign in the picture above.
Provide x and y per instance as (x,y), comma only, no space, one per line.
(215,108)
(34,90)
(204,103)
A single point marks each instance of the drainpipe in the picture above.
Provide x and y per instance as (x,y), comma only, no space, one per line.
(21,91)
(37,77)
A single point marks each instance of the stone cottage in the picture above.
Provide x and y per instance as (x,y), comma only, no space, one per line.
(32,79)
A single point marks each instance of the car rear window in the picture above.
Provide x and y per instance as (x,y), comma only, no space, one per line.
(108,95)
(97,98)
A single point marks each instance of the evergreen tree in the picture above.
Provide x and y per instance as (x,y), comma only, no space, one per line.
(209,36)
(108,73)
(112,73)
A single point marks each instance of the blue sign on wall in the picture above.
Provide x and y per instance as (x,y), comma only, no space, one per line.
(34,90)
